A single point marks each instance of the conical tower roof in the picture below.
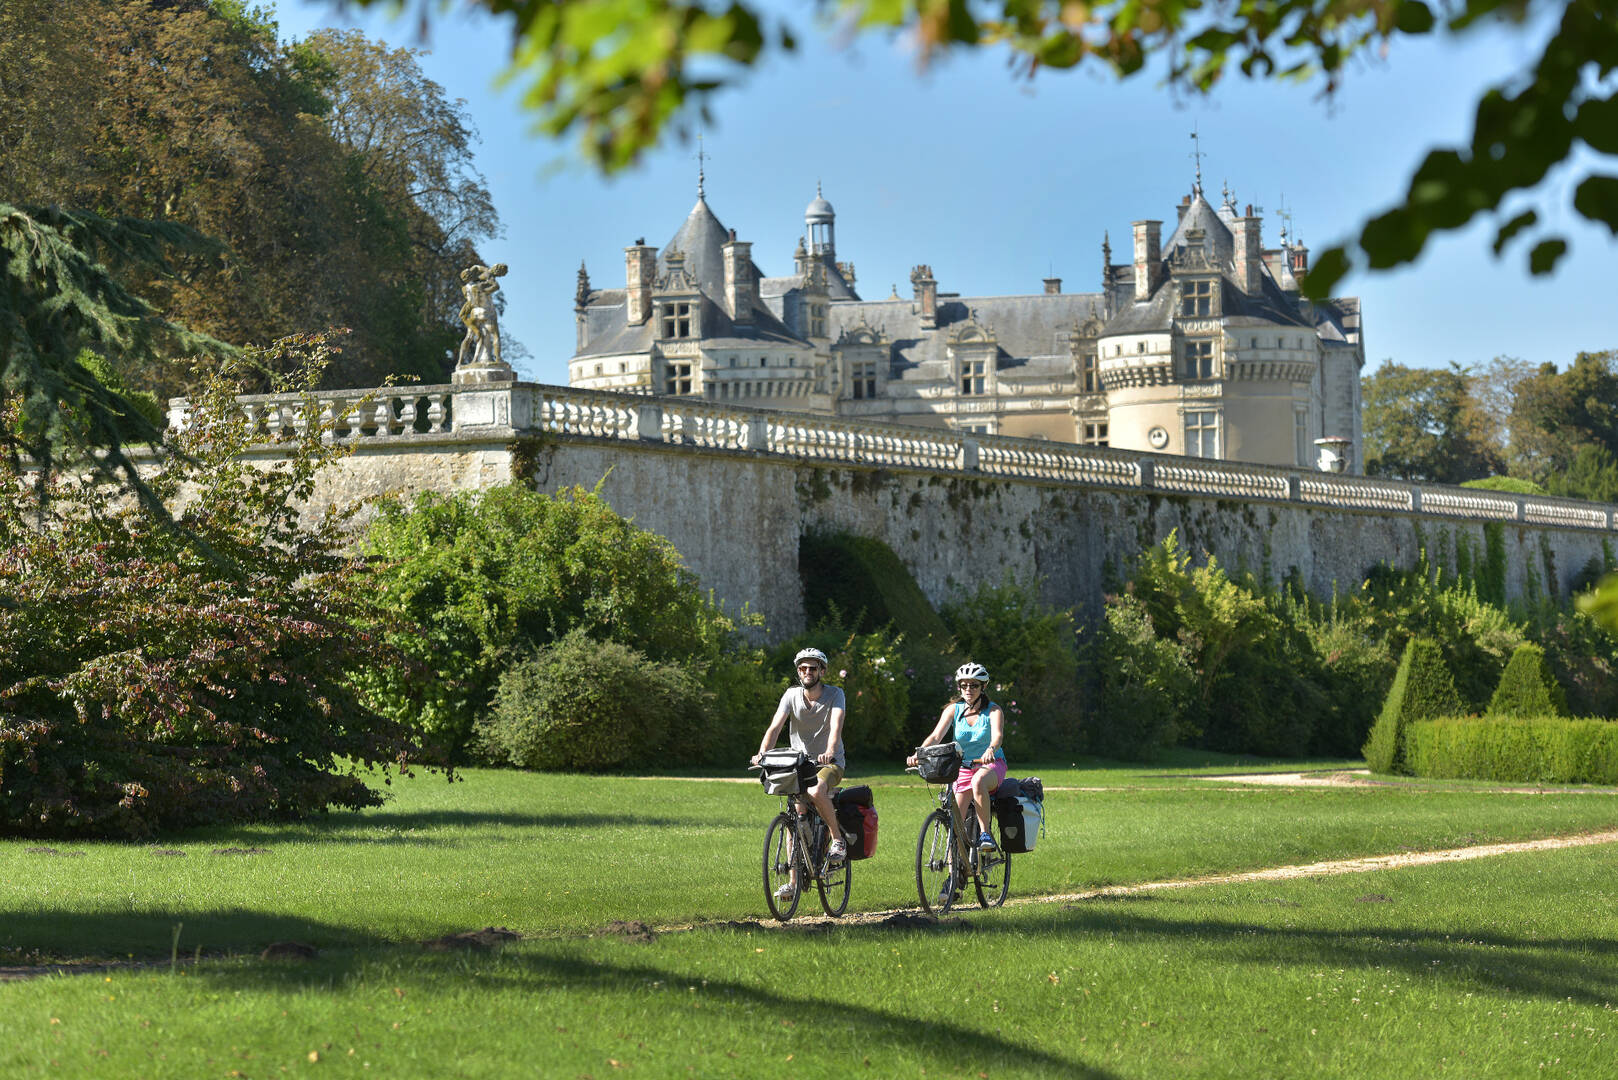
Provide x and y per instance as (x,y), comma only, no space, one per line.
(702,241)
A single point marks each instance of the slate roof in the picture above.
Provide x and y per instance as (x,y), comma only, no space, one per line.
(701,238)
(1220,243)
(1030,331)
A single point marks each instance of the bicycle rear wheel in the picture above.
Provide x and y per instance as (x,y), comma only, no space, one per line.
(778,858)
(994,871)
(935,864)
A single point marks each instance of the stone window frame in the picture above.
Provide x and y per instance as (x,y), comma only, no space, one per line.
(1089,373)
(677,319)
(974,377)
(1201,425)
(678,378)
(1197,359)
(1094,433)
(862,379)
(1199,299)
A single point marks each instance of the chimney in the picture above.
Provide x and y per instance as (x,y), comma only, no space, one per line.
(1249,256)
(926,295)
(640,274)
(1185,204)
(1300,261)
(1148,258)
(740,290)
(1053,286)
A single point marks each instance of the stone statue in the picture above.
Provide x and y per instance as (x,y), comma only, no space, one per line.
(482,340)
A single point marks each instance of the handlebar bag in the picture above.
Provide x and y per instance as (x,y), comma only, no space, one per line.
(780,776)
(939,764)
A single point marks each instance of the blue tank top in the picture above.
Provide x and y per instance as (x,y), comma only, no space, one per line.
(975,733)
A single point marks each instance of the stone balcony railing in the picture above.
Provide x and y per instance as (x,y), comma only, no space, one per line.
(506,411)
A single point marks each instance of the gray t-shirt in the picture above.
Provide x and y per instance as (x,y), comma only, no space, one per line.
(810,727)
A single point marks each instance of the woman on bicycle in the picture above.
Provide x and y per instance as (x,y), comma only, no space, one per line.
(979,725)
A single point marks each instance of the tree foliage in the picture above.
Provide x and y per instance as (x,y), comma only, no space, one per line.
(481,579)
(620,72)
(149,682)
(1424,424)
(191,113)
(59,300)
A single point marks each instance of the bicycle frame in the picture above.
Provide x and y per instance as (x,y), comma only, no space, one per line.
(968,860)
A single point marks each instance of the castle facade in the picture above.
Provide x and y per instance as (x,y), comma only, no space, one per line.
(1200,345)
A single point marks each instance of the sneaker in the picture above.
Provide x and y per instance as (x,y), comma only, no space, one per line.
(986,842)
(786,891)
(837,851)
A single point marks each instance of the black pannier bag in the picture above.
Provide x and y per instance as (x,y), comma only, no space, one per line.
(856,820)
(780,775)
(939,764)
(1019,807)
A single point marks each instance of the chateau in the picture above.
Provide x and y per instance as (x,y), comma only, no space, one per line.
(1200,345)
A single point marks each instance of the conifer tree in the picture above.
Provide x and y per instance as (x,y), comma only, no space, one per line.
(57,298)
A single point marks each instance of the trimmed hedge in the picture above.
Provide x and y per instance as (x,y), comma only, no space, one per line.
(1527,687)
(1540,749)
(1422,689)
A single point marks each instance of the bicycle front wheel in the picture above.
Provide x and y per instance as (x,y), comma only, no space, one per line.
(835,882)
(778,860)
(935,864)
(994,871)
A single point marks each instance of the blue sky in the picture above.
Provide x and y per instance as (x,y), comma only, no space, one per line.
(997,182)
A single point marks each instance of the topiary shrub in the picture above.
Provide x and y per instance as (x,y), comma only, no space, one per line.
(1525,749)
(1527,687)
(583,704)
(1422,690)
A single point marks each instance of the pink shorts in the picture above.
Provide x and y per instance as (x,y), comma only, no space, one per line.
(963,780)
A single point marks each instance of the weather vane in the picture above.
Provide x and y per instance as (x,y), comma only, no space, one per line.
(1197,155)
(702,156)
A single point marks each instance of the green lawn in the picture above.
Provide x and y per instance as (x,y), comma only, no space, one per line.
(1500,966)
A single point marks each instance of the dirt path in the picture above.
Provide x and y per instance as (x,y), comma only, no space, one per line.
(1364,864)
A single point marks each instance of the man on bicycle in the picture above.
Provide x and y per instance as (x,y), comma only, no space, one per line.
(816,711)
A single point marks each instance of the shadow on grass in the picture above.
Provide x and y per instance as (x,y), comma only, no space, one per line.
(850,1019)
(1552,968)
(149,935)
(384,826)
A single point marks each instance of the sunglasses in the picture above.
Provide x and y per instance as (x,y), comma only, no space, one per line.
(808,667)
(967,685)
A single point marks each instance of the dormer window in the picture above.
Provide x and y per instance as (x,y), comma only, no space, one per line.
(1089,375)
(863,375)
(1196,298)
(817,320)
(973,380)
(677,319)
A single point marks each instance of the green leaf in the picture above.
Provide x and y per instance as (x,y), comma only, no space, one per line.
(1597,199)
(1512,228)
(1330,268)
(1597,124)
(1546,254)
(1414,17)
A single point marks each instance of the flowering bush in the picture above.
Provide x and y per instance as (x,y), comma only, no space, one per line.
(158,674)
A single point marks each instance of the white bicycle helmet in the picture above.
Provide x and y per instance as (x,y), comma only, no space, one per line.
(975,672)
(811,654)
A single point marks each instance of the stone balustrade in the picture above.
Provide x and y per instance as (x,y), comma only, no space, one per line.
(501,412)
